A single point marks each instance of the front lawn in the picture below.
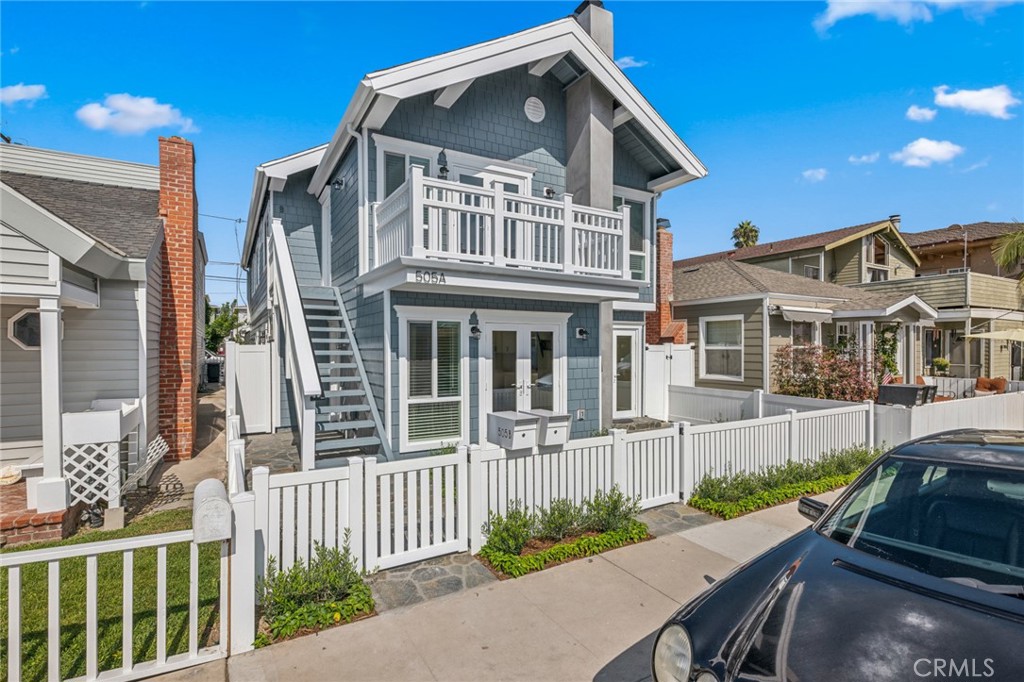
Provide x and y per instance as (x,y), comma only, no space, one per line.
(732,495)
(35,608)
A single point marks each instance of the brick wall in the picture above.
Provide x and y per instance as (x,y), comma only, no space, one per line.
(660,327)
(179,350)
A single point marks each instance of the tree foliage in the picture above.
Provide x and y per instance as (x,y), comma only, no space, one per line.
(745,234)
(1008,252)
(221,321)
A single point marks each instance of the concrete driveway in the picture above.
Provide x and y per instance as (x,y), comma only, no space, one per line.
(592,619)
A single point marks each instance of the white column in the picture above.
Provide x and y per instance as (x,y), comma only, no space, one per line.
(51,491)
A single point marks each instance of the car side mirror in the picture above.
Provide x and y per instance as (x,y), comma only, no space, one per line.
(811,508)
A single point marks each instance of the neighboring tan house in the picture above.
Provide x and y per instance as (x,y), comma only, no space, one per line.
(958,248)
(738,315)
(101,307)
(871,252)
(477,237)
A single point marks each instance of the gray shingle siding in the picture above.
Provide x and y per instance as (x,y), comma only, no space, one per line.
(583,356)
(627,171)
(367,317)
(299,212)
(488,120)
(345,222)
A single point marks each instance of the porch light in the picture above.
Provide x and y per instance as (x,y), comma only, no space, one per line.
(338,184)
(582,334)
(549,192)
(475,333)
(442,166)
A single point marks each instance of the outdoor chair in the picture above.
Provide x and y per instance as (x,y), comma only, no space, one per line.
(986,386)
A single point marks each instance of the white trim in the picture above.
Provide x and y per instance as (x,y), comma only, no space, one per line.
(765,347)
(649,247)
(325,238)
(407,314)
(703,347)
(635,306)
(387,366)
(754,297)
(142,306)
(449,95)
(488,316)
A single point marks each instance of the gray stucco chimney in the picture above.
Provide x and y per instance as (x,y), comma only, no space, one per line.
(895,220)
(588,112)
(597,21)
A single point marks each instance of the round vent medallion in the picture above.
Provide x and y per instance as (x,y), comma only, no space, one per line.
(534,109)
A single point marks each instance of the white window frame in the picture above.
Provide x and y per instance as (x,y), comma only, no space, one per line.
(456,159)
(644,199)
(24,312)
(407,314)
(815,334)
(843,329)
(820,266)
(703,347)
(878,268)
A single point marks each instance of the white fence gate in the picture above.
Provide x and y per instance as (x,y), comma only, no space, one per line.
(665,365)
(248,381)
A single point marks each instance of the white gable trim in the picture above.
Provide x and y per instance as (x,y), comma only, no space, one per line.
(524,48)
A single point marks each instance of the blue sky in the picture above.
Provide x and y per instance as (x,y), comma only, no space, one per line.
(775,98)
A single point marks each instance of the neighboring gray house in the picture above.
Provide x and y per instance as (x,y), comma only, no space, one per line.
(477,237)
(89,297)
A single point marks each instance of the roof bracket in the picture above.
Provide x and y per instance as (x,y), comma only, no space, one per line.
(450,95)
(542,66)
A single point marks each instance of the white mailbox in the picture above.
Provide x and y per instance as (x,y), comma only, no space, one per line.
(553,427)
(211,512)
(512,430)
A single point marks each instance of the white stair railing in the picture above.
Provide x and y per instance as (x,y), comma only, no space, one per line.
(301,362)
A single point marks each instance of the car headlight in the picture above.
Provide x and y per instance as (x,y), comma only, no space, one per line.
(673,655)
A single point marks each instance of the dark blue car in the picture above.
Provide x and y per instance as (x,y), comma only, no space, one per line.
(915,573)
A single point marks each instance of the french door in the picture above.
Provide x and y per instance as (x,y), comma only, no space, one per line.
(627,376)
(522,368)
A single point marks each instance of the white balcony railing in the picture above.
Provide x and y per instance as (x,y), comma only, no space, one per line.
(444,220)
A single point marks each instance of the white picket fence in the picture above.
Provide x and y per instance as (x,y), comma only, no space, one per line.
(754,444)
(714,405)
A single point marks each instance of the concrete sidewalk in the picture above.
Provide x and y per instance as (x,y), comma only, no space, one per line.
(592,619)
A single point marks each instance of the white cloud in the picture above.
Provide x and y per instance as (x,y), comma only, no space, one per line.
(904,12)
(12,94)
(975,166)
(922,153)
(131,115)
(864,158)
(629,62)
(992,101)
(921,114)
(815,174)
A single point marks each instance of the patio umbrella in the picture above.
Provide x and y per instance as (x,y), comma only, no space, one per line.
(1005,335)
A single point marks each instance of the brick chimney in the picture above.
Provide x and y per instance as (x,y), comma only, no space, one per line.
(179,345)
(660,326)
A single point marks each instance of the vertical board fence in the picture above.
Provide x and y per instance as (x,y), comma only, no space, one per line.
(898,424)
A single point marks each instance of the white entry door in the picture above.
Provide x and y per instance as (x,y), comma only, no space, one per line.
(627,374)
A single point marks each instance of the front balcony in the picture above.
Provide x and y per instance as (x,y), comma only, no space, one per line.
(444,224)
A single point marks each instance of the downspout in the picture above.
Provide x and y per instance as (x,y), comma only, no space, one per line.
(361,190)
(766,363)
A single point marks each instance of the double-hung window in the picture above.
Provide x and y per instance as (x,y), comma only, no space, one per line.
(722,347)
(637,235)
(433,381)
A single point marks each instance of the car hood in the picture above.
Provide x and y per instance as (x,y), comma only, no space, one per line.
(827,612)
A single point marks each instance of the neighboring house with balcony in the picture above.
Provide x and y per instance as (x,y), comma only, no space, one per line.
(871,252)
(958,248)
(101,305)
(738,315)
(477,237)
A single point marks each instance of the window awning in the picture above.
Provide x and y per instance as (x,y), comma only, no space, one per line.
(797,314)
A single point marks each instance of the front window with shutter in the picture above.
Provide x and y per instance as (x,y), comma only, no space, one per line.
(434,382)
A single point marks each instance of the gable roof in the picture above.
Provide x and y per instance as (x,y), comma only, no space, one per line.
(955,233)
(728,278)
(380,91)
(829,239)
(124,219)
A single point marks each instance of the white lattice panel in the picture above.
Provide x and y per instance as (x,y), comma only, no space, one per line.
(154,455)
(93,472)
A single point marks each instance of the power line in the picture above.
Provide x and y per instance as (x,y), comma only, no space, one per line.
(220,217)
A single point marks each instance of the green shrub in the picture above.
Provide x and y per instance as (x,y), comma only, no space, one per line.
(610,511)
(515,566)
(510,533)
(328,589)
(769,498)
(733,487)
(562,518)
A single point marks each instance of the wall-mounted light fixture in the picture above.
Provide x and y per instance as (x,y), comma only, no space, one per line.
(338,184)
(582,334)
(442,166)
(475,333)
(549,192)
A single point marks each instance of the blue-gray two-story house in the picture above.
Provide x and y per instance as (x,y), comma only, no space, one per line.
(476,237)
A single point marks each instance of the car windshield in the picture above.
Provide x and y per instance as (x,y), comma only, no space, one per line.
(961,522)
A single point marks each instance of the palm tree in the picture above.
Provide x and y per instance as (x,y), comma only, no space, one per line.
(1008,252)
(745,234)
